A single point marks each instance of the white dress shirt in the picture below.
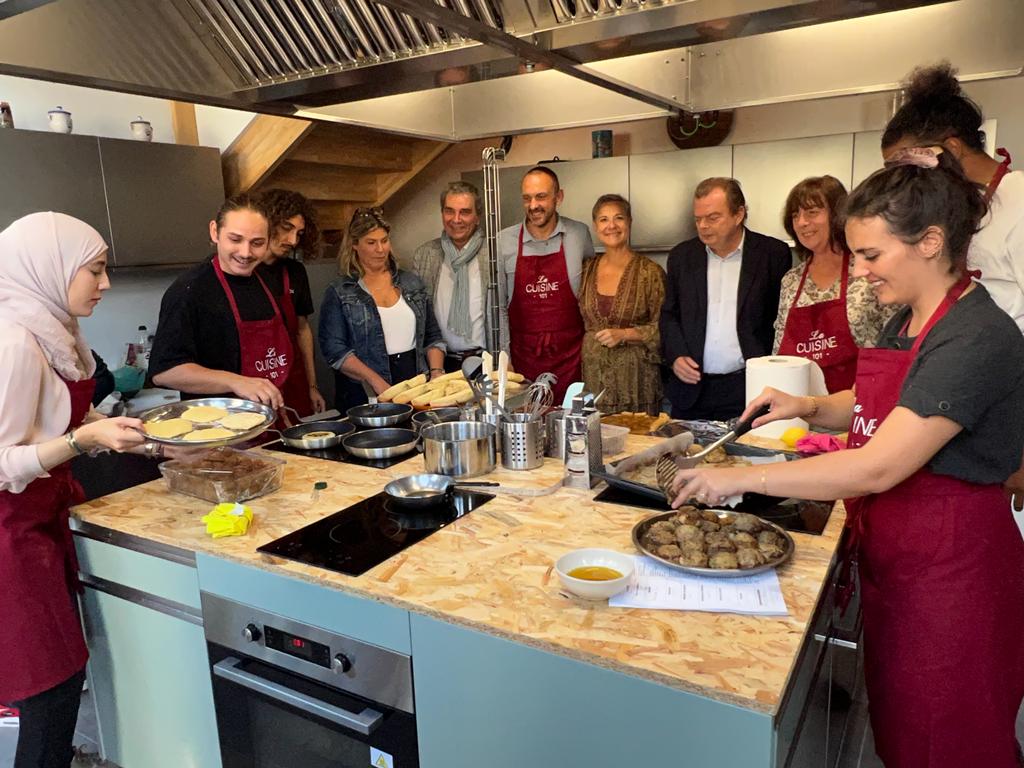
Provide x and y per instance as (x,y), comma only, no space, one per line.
(443,301)
(998,249)
(722,353)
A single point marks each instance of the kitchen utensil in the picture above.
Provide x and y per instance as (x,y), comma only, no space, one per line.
(376,415)
(573,390)
(426,490)
(230,404)
(473,371)
(788,546)
(293,436)
(539,396)
(522,441)
(594,590)
(741,428)
(384,443)
(502,377)
(488,369)
(435,416)
(459,449)
(554,434)
(371,393)
(331,414)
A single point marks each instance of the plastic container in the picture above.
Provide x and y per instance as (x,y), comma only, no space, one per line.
(224,474)
(613,439)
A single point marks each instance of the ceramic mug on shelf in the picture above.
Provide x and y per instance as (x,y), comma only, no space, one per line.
(142,129)
(60,120)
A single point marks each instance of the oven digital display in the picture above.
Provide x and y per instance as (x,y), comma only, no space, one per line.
(300,647)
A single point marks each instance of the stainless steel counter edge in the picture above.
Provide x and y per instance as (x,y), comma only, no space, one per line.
(135,543)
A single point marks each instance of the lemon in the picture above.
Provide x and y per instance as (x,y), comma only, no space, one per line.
(791,435)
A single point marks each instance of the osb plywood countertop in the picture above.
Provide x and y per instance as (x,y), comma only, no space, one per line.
(493,571)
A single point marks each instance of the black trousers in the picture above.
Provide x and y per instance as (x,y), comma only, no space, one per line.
(722,397)
(47,725)
(453,361)
(349,394)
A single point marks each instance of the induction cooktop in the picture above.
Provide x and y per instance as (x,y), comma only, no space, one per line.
(339,454)
(357,538)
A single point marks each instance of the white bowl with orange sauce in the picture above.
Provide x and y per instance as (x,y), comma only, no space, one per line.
(594,574)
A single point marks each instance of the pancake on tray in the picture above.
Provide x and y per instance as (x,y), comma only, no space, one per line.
(242,420)
(168,428)
(204,414)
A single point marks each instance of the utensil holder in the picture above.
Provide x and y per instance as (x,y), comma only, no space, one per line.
(554,443)
(495,420)
(522,442)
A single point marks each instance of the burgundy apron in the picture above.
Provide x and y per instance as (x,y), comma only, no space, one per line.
(821,332)
(296,386)
(266,350)
(1002,170)
(545,324)
(41,642)
(942,588)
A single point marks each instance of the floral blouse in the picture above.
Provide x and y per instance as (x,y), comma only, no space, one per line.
(865,315)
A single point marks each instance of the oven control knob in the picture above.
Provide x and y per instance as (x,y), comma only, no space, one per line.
(342,663)
(251,633)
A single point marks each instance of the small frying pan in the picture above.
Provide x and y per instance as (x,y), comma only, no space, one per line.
(425,490)
(294,437)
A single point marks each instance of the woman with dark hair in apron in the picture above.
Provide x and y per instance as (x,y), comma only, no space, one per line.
(936,423)
(52,271)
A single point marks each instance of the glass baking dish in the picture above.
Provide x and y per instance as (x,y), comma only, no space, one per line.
(224,475)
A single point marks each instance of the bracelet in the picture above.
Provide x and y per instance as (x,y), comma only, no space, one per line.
(153,450)
(69,438)
(764,481)
(814,408)
(439,370)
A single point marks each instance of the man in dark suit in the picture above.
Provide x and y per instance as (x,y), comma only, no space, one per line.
(721,299)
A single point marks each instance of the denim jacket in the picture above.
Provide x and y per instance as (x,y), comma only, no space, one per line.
(350,323)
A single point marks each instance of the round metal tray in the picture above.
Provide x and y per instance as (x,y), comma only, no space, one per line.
(230,404)
(726,573)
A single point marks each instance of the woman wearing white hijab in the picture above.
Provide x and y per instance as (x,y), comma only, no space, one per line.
(52,271)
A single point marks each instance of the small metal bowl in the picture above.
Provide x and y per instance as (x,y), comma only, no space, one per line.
(376,415)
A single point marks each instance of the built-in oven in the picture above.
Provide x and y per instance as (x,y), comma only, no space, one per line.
(289,694)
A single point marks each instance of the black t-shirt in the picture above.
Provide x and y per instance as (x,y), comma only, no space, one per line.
(969,369)
(196,324)
(273,274)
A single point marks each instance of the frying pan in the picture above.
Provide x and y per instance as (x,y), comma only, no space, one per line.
(425,490)
(380,443)
(292,436)
(379,414)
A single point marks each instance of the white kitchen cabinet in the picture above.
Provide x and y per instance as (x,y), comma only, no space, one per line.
(661,187)
(769,170)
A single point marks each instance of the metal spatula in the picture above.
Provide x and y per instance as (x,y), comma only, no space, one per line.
(741,428)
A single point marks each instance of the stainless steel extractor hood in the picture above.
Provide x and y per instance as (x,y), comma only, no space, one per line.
(430,67)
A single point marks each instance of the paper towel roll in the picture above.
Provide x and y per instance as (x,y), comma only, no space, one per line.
(788,373)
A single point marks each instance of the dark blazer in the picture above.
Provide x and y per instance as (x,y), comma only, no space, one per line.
(684,313)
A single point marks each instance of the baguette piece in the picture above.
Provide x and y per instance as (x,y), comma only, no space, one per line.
(511,376)
(389,394)
(408,395)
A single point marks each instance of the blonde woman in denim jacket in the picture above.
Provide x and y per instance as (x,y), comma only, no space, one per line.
(377,325)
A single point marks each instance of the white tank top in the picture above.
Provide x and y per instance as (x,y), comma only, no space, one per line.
(399,323)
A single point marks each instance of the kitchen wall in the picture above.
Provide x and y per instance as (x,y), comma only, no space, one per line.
(135,296)
(414,211)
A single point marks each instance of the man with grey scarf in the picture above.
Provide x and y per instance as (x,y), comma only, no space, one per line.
(455,277)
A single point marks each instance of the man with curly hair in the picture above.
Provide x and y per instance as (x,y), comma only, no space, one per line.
(293,229)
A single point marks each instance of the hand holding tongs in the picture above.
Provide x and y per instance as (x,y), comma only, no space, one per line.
(741,428)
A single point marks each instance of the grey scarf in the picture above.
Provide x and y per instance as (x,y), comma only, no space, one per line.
(459,321)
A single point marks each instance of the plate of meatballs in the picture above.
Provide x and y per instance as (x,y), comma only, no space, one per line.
(712,542)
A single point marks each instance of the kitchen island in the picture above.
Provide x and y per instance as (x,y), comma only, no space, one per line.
(508,670)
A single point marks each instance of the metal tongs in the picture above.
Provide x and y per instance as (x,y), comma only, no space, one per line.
(741,428)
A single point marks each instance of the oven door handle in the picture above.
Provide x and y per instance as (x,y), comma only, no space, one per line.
(365,722)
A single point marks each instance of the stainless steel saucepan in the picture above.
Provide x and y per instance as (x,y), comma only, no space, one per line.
(425,490)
